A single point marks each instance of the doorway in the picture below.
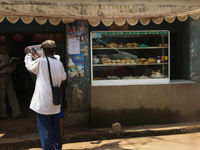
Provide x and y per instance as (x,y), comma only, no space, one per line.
(18,36)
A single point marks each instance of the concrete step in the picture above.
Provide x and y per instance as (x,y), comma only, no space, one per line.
(29,140)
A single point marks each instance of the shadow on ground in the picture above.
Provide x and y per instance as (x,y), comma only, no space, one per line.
(108,146)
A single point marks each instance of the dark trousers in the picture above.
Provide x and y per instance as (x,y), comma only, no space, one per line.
(49,131)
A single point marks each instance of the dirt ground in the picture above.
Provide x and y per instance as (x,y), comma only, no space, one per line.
(171,142)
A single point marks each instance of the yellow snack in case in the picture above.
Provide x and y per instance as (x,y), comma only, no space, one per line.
(135,44)
(118,61)
(104,61)
(114,61)
(112,45)
(165,45)
(109,61)
(133,62)
(128,60)
(123,61)
(101,46)
(151,60)
(121,45)
(128,44)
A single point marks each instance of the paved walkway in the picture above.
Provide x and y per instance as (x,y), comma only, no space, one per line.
(22,133)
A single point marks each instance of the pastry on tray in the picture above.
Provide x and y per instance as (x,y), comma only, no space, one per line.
(151,60)
(128,60)
(135,44)
(121,45)
(105,60)
(101,46)
(128,44)
(112,77)
(114,61)
(128,77)
(123,61)
(144,77)
(157,74)
(112,45)
(119,61)
(133,62)
(141,60)
(165,45)
(162,45)
(128,63)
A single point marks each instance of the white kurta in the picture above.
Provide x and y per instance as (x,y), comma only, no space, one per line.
(42,101)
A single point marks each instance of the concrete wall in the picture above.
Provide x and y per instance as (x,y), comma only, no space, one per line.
(194,41)
(149,104)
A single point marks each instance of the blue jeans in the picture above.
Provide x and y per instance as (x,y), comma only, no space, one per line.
(49,131)
(61,114)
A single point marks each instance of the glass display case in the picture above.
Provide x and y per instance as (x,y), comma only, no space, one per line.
(130,57)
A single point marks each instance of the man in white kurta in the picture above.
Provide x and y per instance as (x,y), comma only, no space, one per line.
(42,102)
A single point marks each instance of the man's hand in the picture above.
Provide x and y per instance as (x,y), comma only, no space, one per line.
(26,50)
(14,62)
(5,66)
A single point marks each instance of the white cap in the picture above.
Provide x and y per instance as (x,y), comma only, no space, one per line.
(48,44)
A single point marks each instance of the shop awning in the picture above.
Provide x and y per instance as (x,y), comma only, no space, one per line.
(96,11)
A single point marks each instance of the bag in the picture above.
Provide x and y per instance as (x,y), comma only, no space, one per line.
(56,95)
(56,91)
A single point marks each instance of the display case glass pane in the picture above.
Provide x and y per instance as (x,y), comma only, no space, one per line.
(129,55)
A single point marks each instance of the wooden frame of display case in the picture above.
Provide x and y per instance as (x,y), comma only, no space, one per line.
(119,82)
